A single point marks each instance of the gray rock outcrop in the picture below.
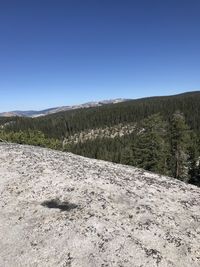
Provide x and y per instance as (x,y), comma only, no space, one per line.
(59,209)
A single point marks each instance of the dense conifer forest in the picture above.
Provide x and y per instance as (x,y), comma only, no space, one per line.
(165,140)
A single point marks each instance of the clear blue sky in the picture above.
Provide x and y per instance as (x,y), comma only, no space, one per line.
(64,52)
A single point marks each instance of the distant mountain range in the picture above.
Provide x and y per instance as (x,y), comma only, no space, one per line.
(34,113)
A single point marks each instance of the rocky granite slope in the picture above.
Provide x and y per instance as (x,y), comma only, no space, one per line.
(59,209)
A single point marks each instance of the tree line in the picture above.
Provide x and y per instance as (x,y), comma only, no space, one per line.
(63,124)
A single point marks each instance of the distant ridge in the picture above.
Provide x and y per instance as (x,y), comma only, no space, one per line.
(92,104)
(34,113)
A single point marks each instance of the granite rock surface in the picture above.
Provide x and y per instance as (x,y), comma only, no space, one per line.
(60,209)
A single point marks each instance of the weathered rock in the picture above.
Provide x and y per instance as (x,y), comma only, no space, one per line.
(59,209)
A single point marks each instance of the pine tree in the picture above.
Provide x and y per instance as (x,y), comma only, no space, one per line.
(149,149)
(194,160)
(127,156)
(179,139)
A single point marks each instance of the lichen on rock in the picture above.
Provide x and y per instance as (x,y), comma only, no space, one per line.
(59,209)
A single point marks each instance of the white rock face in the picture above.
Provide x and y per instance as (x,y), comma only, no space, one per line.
(105,214)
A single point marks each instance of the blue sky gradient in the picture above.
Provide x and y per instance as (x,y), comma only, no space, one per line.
(66,52)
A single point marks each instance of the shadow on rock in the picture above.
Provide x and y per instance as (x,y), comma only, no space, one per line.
(57,204)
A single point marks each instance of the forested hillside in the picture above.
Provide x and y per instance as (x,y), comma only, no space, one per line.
(159,134)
